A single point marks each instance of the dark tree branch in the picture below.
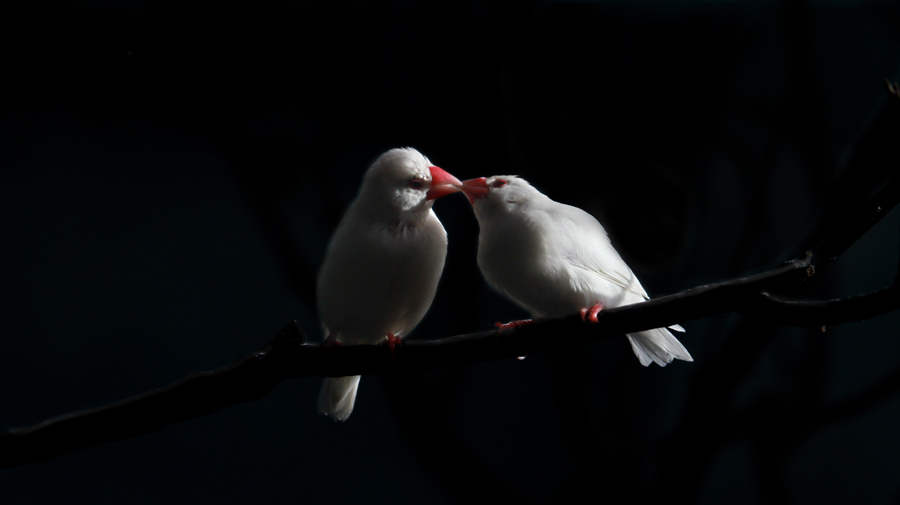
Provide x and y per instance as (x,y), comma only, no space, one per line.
(253,376)
(790,312)
(709,421)
(250,378)
(287,355)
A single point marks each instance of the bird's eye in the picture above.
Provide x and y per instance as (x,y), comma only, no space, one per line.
(416,183)
(498,183)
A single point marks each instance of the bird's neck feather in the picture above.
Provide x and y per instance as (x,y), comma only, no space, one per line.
(388,216)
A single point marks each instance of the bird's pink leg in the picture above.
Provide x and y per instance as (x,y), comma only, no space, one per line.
(391,341)
(513,324)
(590,314)
(331,341)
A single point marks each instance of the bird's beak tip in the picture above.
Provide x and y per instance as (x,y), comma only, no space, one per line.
(474,188)
(442,183)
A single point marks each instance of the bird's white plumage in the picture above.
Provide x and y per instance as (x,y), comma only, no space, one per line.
(554,259)
(382,266)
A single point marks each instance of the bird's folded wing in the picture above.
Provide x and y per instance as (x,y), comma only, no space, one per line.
(631,285)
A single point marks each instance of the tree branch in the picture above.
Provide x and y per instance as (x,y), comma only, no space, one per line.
(287,356)
(788,312)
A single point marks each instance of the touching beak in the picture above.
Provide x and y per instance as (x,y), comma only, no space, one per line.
(442,183)
(475,188)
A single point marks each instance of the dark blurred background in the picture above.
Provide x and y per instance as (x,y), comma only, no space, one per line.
(170,173)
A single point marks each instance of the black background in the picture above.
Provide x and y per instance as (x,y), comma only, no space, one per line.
(170,174)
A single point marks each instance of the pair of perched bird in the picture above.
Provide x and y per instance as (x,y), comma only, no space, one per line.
(549,258)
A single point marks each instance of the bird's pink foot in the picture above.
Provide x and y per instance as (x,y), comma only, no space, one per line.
(512,324)
(589,314)
(392,341)
(331,341)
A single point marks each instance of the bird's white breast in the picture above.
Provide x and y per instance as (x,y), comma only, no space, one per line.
(380,279)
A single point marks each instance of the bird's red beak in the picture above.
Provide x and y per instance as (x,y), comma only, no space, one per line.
(442,183)
(475,188)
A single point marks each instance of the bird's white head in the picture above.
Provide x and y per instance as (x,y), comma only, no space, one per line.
(499,194)
(405,180)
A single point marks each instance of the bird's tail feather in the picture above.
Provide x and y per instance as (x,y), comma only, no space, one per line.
(337,396)
(658,346)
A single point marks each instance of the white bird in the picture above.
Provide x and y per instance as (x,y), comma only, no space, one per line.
(553,260)
(382,266)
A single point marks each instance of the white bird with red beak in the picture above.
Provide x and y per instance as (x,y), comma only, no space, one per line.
(553,260)
(382,267)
